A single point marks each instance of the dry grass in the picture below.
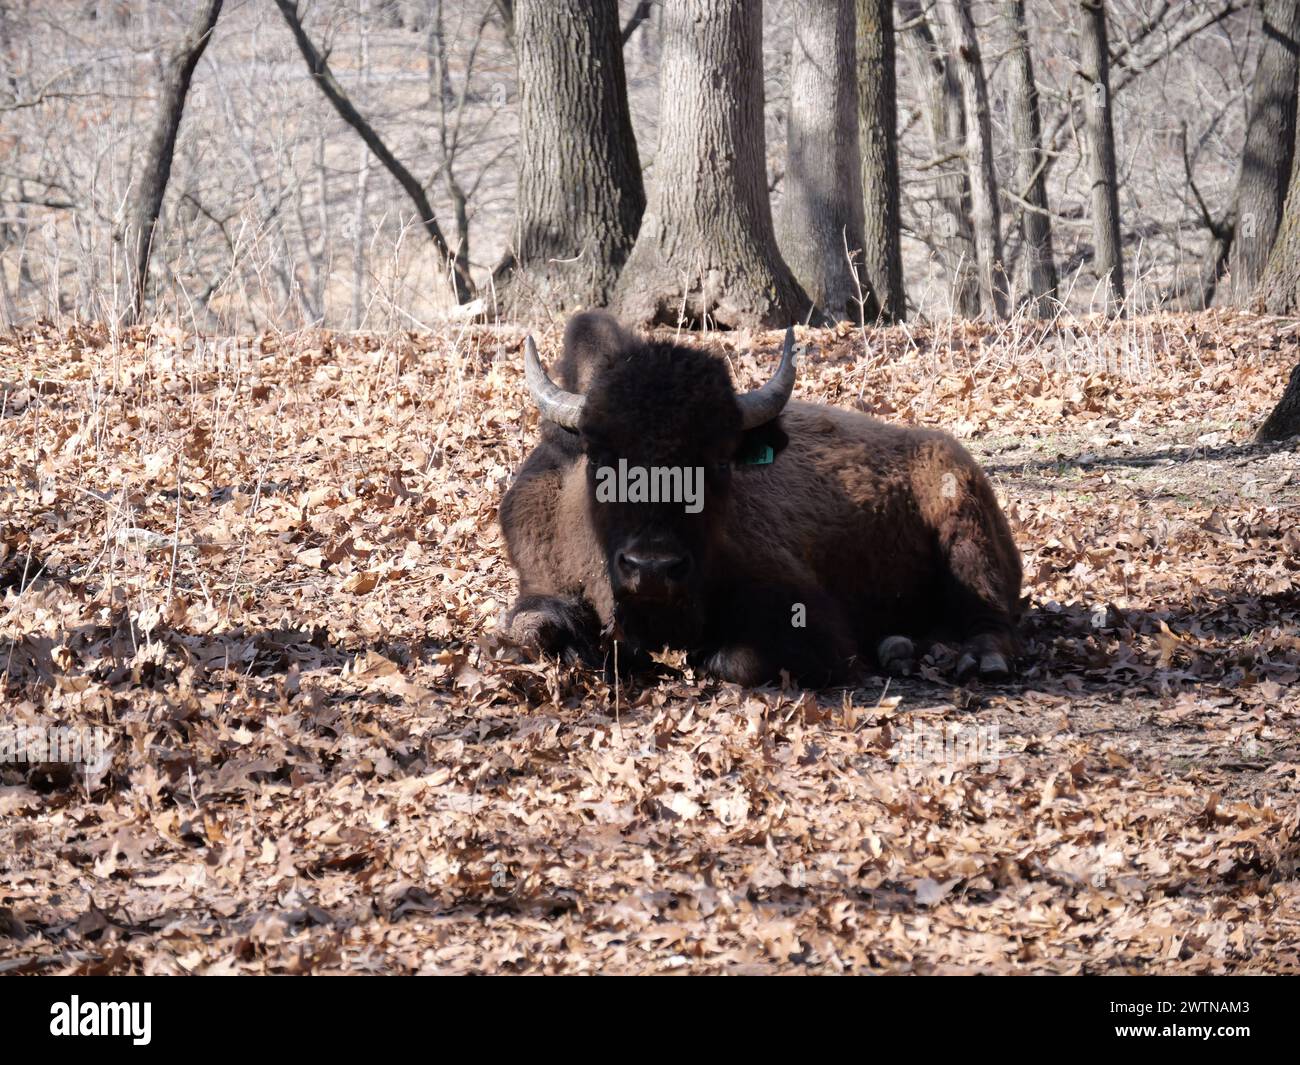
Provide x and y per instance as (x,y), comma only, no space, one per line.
(270,569)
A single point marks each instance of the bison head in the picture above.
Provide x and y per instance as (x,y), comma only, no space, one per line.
(661,427)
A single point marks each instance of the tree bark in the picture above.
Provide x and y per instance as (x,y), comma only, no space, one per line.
(706,251)
(820,222)
(1267,157)
(945,117)
(156,166)
(1279,293)
(1279,288)
(580,197)
(882,256)
(326,82)
(1284,421)
(1031,168)
(1094,55)
(986,215)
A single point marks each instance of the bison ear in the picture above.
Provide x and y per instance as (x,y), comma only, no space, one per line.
(760,445)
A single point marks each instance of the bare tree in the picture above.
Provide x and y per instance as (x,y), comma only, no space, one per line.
(706,250)
(820,222)
(963,46)
(882,256)
(455,138)
(1094,57)
(363,183)
(156,165)
(945,117)
(638,16)
(266,220)
(580,196)
(506,9)
(1031,163)
(1270,146)
(333,91)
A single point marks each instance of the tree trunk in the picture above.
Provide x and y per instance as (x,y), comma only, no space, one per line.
(1201,291)
(580,197)
(156,166)
(333,91)
(1270,147)
(1094,56)
(946,120)
(1031,169)
(882,256)
(820,221)
(706,251)
(1279,293)
(1284,422)
(1279,288)
(963,47)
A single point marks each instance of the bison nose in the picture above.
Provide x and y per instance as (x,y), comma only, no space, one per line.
(653,572)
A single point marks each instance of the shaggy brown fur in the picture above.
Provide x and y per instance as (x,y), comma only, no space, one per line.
(868,533)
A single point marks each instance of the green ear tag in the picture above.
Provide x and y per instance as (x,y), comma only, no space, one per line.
(762,455)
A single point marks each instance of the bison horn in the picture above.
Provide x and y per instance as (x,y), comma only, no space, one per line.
(763,404)
(558,406)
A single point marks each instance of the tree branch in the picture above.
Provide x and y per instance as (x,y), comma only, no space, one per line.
(641,13)
(333,91)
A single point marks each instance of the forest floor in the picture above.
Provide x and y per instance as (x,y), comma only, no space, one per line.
(267,571)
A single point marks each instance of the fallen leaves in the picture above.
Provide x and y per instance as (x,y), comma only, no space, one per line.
(276,586)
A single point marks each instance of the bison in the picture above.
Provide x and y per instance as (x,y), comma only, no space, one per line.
(819,539)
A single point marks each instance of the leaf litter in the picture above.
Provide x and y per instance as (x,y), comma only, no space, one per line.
(269,570)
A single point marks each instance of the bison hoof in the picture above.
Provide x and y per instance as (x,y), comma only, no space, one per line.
(553,627)
(991,666)
(735,665)
(535,630)
(897,656)
(994,667)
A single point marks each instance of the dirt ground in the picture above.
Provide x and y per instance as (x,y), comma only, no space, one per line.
(268,569)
